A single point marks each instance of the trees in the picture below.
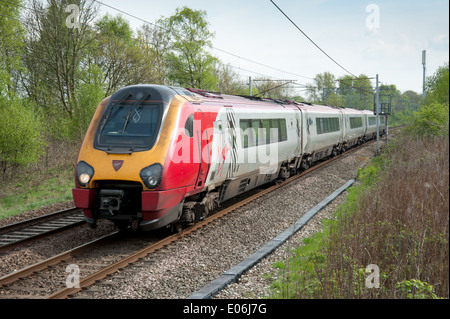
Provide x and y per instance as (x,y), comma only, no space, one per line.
(55,53)
(228,81)
(11,46)
(275,89)
(189,63)
(21,140)
(431,119)
(112,51)
(123,59)
(437,86)
(153,40)
(317,92)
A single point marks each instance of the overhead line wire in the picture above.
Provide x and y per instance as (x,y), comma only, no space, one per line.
(310,39)
(160,27)
(215,48)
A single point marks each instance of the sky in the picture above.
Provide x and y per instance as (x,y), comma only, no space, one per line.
(364,37)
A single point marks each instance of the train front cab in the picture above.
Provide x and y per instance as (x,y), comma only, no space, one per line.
(121,168)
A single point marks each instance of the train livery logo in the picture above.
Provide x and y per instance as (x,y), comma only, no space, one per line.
(117,164)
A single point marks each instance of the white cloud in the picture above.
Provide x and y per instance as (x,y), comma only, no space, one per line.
(440,39)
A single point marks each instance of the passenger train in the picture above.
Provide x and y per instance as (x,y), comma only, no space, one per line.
(156,156)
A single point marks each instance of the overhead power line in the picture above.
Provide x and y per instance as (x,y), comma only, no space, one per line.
(267,66)
(160,27)
(215,48)
(311,39)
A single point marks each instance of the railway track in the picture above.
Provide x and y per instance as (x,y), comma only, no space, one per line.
(34,281)
(19,233)
(47,279)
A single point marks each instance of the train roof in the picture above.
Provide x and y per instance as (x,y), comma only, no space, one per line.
(242,99)
(167,92)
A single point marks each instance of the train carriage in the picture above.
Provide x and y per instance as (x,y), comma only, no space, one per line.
(371,125)
(323,130)
(156,156)
(354,127)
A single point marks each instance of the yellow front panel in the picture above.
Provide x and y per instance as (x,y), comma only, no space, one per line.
(134,162)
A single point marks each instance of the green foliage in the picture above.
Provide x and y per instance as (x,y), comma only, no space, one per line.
(430,120)
(322,81)
(189,62)
(416,289)
(89,94)
(21,140)
(115,27)
(396,216)
(437,86)
(11,45)
(122,58)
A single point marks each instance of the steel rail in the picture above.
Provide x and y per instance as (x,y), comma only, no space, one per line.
(19,233)
(136,256)
(35,220)
(103,273)
(30,270)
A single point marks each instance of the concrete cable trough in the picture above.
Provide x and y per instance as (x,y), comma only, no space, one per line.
(232,275)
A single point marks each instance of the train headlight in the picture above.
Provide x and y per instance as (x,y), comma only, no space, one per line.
(84,173)
(151,175)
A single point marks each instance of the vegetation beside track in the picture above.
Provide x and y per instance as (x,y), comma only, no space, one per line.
(395,218)
(41,184)
(390,239)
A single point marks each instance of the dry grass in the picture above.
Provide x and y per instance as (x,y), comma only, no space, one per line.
(398,219)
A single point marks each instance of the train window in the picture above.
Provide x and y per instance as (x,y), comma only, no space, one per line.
(131,121)
(355,122)
(327,125)
(274,130)
(189,126)
(245,130)
(256,126)
(128,127)
(320,129)
(260,132)
(372,120)
(266,127)
(283,131)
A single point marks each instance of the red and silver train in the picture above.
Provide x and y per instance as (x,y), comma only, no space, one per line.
(156,156)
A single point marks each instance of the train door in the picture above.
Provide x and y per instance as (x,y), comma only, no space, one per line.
(299,130)
(343,127)
(203,152)
(220,151)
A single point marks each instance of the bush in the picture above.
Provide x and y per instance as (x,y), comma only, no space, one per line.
(21,140)
(416,289)
(430,120)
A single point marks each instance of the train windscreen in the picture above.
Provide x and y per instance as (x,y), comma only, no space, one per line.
(129,126)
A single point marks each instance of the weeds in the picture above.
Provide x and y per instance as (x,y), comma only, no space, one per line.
(396,219)
(47,182)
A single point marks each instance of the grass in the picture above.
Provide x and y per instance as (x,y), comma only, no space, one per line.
(53,190)
(396,218)
(45,183)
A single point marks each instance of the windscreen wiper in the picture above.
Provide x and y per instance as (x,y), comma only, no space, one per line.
(131,109)
(110,110)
